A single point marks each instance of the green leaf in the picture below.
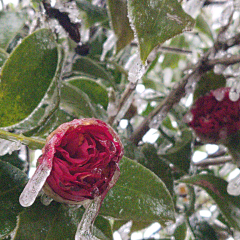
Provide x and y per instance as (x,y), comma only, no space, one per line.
(138,195)
(96,92)
(10,25)
(14,160)
(181,231)
(117,10)
(202,26)
(3,56)
(91,68)
(56,221)
(94,13)
(157,165)
(180,153)
(12,182)
(155,21)
(76,102)
(217,189)
(26,76)
(209,81)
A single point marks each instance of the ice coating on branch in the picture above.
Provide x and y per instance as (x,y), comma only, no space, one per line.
(8,147)
(188,117)
(226,13)
(157,120)
(35,184)
(233,187)
(135,67)
(84,230)
(108,45)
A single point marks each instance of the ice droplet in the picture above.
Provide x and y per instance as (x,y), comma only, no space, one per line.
(45,199)
(112,109)
(233,187)
(84,230)
(219,68)
(35,184)
(135,67)
(193,6)
(108,45)
(234,93)
(188,117)
(219,94)
(8,146)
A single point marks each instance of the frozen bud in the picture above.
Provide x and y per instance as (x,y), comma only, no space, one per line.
(215,117)
(83,157)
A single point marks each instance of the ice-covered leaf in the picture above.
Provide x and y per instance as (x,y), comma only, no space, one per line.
(89,67)
(57,222)
(3,56)
(26,76)
(14,160)
(10,25)
(117,10)
(155,21)
(157,165)
(138,195)
(12,181)
(96,92)
(180,153)
(94,13)
(209,81)
(217,189)
(76,102)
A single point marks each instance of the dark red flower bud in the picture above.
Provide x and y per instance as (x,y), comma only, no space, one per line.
(83,156)
(215,117)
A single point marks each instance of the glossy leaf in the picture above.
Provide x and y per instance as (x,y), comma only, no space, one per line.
(31,67)
(12,182)
(10,24)
(118,13)
(94,14)
(57,222)
(14,160)
(138,195)
(3,56)
(180,153)
(209,81)
(155,21)
(76,102)
(157,165)
(89,67)
(217,189)
(96,92)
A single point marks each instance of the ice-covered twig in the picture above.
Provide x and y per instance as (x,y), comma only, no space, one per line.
(213,161)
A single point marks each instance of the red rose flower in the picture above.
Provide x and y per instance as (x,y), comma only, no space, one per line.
(83,156)
(214,117)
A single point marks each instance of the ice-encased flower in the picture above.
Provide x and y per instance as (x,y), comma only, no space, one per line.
(79,161)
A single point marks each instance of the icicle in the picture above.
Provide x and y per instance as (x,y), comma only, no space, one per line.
(108,45)
(8,147)
(84,230)
(35,184)
(135,67)
(45,199)
(233,187)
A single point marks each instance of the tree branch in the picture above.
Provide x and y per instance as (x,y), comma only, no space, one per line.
(178,91)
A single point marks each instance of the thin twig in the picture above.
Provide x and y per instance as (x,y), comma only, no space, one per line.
(213,161)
